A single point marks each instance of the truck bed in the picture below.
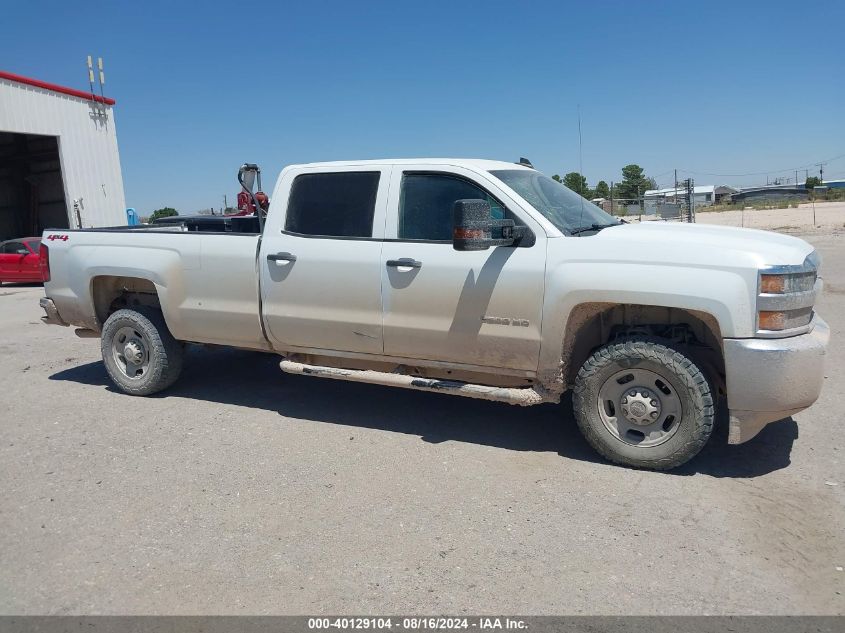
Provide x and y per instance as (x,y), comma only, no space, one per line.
(205,281)
(212,223)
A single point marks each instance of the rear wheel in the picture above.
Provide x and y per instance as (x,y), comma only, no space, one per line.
(642,402)
(139,352)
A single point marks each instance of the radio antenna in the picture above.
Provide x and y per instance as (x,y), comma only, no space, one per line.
(102,80)
(91,75)
(580,172)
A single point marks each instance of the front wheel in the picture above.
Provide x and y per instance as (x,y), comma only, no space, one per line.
(139,352)
(642,402)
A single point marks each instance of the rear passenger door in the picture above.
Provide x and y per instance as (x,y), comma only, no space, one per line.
(320,260)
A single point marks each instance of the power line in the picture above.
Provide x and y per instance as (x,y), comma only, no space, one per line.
(665,173)
(761,173)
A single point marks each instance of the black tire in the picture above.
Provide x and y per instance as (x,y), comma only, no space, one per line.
(682,379)
(162,353)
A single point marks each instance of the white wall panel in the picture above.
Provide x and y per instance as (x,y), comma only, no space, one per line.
(87,146)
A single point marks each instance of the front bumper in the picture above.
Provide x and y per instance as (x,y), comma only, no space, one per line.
(52,314)
(771,379)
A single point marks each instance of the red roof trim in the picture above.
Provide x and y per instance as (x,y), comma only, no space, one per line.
(56,88)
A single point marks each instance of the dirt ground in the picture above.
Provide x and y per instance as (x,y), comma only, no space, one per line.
(829,217)
(243,490)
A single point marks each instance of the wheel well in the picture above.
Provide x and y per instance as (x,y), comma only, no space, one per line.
(591,325)
(111,293)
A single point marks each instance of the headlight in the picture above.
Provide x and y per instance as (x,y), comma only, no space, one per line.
(779,320)
(786,283)
(786,298)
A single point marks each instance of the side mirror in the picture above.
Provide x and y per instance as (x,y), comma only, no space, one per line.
(471,224)
(472,227)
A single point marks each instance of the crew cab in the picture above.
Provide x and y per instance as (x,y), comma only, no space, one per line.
(476,278)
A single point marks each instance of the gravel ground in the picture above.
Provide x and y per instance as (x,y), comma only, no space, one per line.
(829,217)
(243,490)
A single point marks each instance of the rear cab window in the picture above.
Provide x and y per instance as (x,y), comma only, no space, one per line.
(333,204)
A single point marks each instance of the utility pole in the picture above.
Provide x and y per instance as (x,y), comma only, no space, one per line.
(640,202)
(692,201)
(611,197)
(675,199)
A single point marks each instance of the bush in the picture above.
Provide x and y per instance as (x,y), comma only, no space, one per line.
(166,212)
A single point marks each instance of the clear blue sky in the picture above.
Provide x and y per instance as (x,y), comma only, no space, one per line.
(717,87)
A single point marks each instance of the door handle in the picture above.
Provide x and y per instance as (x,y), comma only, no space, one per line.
(281,257)
(405,262)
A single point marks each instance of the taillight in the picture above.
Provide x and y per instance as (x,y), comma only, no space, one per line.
(44,261)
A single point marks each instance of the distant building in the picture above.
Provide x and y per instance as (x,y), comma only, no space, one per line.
(723,193)
(704,195)
(770,193)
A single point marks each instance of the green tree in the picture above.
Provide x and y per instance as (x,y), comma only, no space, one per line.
(602,190)
(166,212)
(577,183)
(556,177)
(812,181)
(633,184)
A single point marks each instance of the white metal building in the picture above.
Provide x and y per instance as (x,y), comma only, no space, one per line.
(59,163)
(704,195)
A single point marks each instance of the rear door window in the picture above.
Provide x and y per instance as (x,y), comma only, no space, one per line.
(338,204)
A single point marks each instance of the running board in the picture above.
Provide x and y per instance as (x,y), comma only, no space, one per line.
(525,396)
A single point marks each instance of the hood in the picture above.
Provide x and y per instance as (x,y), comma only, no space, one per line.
(702,244)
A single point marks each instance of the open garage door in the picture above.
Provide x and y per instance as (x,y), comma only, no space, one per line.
(32,192)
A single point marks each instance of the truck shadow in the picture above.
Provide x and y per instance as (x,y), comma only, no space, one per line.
(254,380)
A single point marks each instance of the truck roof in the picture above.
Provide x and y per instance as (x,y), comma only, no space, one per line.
(476,163)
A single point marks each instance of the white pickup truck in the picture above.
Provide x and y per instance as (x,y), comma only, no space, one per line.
(470,277)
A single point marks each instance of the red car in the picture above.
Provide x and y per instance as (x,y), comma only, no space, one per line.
(19,260)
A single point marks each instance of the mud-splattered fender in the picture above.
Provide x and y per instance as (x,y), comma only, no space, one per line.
(727,295)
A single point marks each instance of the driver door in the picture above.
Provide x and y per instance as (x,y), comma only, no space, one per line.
(11,260)
(30,265)
(480,308)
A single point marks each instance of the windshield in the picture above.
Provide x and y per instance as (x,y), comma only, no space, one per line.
(559,204)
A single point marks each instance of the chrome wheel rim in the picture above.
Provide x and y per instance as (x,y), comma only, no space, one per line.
(131,352)
(640,407)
